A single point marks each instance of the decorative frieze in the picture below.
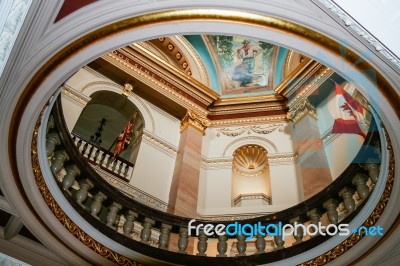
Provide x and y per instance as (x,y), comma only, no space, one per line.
(259,129)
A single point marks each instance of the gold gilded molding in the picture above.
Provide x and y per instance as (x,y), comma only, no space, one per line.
(198,122)
(176,16)
(62,217)
(370,221)
(300,109)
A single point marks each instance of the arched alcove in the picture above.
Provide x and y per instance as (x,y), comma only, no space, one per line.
(251,185)
(104,118)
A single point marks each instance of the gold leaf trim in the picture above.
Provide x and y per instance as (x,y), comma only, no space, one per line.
(61,216)
(370,221)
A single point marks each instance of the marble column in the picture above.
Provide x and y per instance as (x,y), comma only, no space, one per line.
(185,182)
(314,167)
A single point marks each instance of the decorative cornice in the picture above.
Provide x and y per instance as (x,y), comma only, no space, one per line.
(160,144)
(248,120)
(304,80)
(361,31)
(218,163)
(132,191)
(15,17)
(153,80)
(300,109)
(283,158)
(192,119)
(176,54)
(198,61)
(252,196)
(78,98)
(170,74)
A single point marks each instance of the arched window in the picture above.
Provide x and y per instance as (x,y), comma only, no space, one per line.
(251,184)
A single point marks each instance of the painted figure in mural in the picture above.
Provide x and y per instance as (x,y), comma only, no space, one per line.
(242,75)
(125,137)
(247,53)
(243,72)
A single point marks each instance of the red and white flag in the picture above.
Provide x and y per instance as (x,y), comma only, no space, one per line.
(350,115)
(124,138)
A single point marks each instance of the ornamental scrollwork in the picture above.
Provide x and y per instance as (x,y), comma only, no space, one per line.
(264,129)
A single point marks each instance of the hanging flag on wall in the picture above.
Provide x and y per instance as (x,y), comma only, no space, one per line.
(125,137)
(350,115)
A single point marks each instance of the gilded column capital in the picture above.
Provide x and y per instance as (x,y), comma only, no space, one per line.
(301,108)
(193,119)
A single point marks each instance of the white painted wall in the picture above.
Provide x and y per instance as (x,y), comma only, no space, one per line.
(72,110)
(153,171)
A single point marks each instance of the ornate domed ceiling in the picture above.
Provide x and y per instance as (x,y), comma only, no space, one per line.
(232,66)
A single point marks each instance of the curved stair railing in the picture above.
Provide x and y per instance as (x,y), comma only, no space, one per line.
(164,236)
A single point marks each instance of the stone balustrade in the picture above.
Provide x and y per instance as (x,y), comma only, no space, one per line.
(137,222)
(101,157)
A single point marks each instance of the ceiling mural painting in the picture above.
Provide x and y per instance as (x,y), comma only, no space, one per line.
(244,65)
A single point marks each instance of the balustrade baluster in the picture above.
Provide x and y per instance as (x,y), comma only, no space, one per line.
(123,170)
(112,214)
(82,147)
(111,164)
(202,244)
(241,245)
(59,158)
(82,193)
(360,181)
(331,207)
(164,236)
(116,169)
(76,141)
(93,153)
(105,161)
(89,147)
(373,171)
(130,217)
(298,233)
(129,174)
(99,156)
(279,241)
(95,207)
(315,217)
(52,140)
(348,201)
(145,234)
(222,245)
(183,240)
(260,243)
(69,178)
